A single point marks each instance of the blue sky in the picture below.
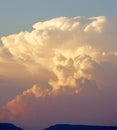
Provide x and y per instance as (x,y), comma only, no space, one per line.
(20,15)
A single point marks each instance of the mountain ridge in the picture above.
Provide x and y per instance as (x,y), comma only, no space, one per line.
(80,127)
(9,126)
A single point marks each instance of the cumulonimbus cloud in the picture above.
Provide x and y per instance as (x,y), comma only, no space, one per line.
(71,56)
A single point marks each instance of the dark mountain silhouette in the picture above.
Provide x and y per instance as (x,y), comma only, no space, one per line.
(9,126)
(80,127)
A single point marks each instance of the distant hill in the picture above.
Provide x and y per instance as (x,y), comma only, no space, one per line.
(9,126)
(80,127)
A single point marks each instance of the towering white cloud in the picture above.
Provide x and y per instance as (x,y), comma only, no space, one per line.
(72,59)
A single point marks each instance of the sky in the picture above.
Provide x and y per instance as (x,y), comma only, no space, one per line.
(58,62)
(20,15)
